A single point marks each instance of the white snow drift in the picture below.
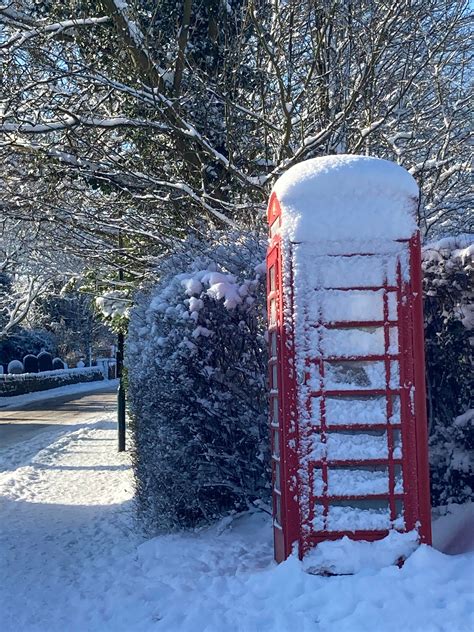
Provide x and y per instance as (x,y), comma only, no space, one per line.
(71,559)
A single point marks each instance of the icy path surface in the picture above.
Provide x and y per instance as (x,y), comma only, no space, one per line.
(71,561)
(17,401)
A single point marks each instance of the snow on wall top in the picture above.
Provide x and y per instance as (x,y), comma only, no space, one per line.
(347,197)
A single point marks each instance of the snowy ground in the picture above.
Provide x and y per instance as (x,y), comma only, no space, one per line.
(7,403)
(71,560)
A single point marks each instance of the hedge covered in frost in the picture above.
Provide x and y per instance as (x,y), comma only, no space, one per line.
(449,337)
(196,366)
(196,360)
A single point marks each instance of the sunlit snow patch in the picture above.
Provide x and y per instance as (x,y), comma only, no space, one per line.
(346,556)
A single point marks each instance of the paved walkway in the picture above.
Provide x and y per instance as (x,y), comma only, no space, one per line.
(17,425)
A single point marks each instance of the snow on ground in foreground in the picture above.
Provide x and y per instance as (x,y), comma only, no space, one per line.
(71,560)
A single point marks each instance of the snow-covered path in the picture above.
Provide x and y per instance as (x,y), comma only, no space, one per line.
(24,416)
(72,561)
(65,517)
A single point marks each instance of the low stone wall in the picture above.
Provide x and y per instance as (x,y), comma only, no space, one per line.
(11,384)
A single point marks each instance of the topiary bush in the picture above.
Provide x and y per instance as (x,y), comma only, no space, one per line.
(30,363)
(15,367)
(449,323)
(196,369)
(45,361)
(58,364)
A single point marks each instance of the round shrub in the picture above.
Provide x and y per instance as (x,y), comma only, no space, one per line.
(15,367)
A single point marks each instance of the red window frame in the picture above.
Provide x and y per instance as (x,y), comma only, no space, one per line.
(291,525)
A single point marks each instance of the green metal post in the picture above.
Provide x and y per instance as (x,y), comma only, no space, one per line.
(121,389)
(120,395)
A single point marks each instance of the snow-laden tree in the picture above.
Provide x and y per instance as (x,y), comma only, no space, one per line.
(31,264)
(71,317)
(196,371)
(147,116)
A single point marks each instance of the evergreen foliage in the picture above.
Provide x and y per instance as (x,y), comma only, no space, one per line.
(196,359)
(449,320)
(30,363)
(58,364)
(15,367)
(72,319)
(45,361)
(23,342)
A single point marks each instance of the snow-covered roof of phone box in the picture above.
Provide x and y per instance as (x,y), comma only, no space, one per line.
(347,197)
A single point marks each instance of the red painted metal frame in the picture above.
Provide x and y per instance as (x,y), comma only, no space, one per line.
(286,522)
(423,468)
(291,526)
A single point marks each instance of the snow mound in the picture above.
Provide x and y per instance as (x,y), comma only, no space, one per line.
(347,197)
(346,556)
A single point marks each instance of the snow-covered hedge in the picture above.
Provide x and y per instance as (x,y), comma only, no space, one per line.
(12,384)
(196,360)
(449,324)
(197,379)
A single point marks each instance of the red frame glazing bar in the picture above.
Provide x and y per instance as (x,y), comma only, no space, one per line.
(297,516)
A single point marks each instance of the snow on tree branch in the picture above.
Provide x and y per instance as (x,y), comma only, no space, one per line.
(20,38)
(159,121)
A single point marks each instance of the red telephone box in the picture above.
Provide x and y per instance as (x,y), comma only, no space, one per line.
(346,357)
